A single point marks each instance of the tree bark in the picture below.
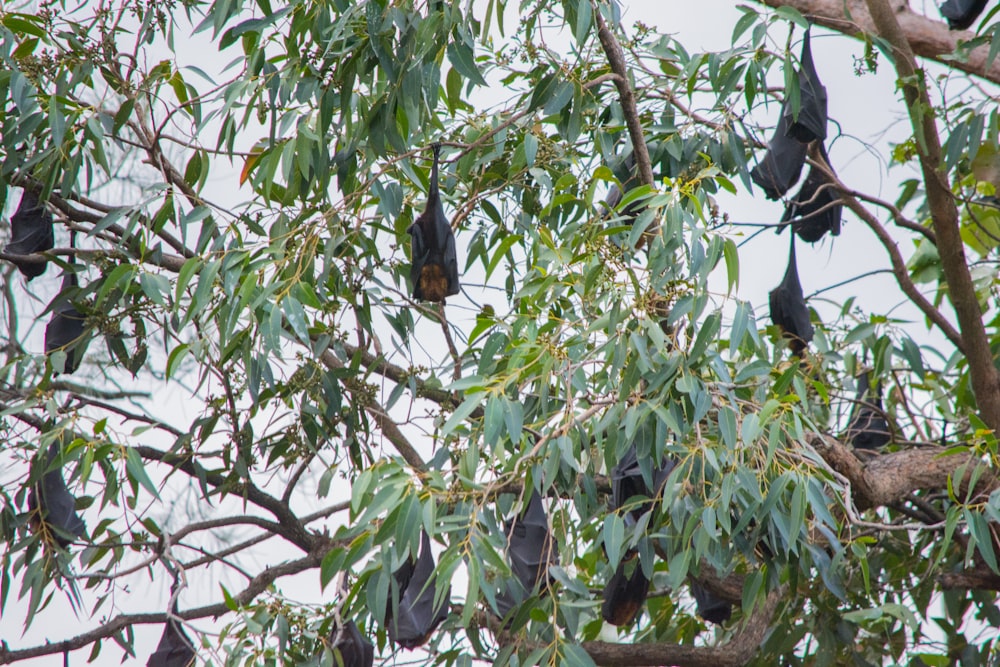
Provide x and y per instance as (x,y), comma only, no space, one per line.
(944,216)
(928,38)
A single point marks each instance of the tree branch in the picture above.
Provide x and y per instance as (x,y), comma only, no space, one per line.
(944,217)
(927,37)
(735,653)
(256,586)
(890,478)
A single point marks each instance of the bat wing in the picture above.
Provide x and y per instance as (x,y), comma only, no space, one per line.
(31,231)
(814,211)
(782,163)
(417,616)
(788,307)
(174,650)
(418,254)
(449,255)
(66,328)
(530,547)
(712,609)
(961,14)
(626,591)
(627,481)
(56,504)
(810,124)
(354,649)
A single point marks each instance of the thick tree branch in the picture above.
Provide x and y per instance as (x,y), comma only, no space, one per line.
(616,60)
(944,216)
(737,652)
(890,478)
(927,37)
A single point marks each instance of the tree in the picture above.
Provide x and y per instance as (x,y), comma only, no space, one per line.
(257,372)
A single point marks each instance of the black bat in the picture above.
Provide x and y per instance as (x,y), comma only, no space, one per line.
(627,481)
(961,14)
(782,163)
(175,648)
(354,649)
(412,621)
(626,591)
(531,550)
(709,607)
(788,308)
(814,211)
(434,273)
(868,428)
(810,124)
(54,504)
(626,175)
(31,231)
(65,330)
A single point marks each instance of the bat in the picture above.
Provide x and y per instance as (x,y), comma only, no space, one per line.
(712,609)
(412,621)
(788,308)
(868,428)
(531,550)
(175,648)
(615,194)
(31,232)
(627,481)
(961,14)
(810,123)
(626,591)
(814,211)
(434,272)
(782,163)
(354,649)
(54,504)
(65,330)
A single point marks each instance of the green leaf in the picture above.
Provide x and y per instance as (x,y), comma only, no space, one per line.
(137,471)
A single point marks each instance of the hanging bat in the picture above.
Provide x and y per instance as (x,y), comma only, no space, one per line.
(814,211)
(627,481)
(175,648)
(31,232)
(788,308)
(65,330)
(782,163)
(615,194)
(868,428)
(961,14)
(54,504)
(626,591)
(531,550)
(412,621)
(354,649)
(434,273)
(810,124)
(712,609)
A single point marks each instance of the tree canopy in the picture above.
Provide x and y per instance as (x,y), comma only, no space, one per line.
(219,391)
